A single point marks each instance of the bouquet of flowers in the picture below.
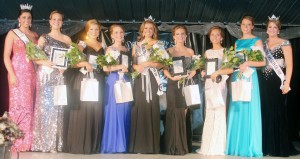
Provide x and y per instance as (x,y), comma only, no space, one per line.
(74,55)
(108,59)
(160,55)
(34,52)
(9,130)
(233,59)
(134,74)
(198,62)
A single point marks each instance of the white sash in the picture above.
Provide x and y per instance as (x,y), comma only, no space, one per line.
(273,63)
(146,78)
(21,35)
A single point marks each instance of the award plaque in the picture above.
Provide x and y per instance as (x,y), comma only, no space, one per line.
(58,57)
(124,60)
(179,66)
(211,66)
(93,61)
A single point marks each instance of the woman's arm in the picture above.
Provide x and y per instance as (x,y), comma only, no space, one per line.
(244,66)
(288,58)
(6,57)
(114,67)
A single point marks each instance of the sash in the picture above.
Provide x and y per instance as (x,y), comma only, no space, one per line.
(21,35)
(146,77)
(273,63)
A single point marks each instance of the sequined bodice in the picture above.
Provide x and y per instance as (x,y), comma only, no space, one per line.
(278,55)
(51,42)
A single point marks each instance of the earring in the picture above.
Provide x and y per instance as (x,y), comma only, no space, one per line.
(278,33)
(19,25)
(123,40)
(221,41)
(185,42)
(30,25)
(112,41)
(86,37)
(175,42)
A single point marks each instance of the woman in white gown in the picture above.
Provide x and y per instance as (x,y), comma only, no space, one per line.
(214,131)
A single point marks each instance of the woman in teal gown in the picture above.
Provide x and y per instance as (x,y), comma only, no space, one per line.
(244,133)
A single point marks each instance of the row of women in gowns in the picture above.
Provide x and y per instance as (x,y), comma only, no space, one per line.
(108,127)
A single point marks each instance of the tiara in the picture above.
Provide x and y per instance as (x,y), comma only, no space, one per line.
(149,18)
(273,17)
(25,6)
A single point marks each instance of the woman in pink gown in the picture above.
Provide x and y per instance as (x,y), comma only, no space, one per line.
(21,78)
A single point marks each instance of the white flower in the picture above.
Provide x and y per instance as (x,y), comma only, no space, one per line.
(156,46)
(114,54)
(165,55)
(196,57)
(108,59)
(2,126)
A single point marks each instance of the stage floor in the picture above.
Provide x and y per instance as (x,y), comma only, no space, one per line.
(40,155)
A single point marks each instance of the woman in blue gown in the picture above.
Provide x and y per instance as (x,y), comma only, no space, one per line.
(244,133)
(116,130)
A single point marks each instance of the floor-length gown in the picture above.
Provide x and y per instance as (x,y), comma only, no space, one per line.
(116,131)
(214,130)
(21,96)
(175,126)
(49,119)
(274,108)
(145,117)
(86,118)
(244,131)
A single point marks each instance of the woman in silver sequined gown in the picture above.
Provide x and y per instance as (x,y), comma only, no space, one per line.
(48,124)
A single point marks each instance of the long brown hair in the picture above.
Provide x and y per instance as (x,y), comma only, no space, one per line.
(155,30)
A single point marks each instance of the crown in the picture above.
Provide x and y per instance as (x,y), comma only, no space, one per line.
(149,18)
(25,6)
(273,17)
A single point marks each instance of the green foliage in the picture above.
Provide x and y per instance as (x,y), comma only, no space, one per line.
(74,55)
(198,62)
(106,60)
(33,52)
(160,56)
(135,74)
(233,60)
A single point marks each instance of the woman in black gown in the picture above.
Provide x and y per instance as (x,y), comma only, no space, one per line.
(85,121)
(275,91)
(145,113)
(175,127)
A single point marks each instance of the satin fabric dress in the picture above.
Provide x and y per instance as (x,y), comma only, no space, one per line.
(145,116)
(244,131)
(175,127)
(116,131)
(86,117)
